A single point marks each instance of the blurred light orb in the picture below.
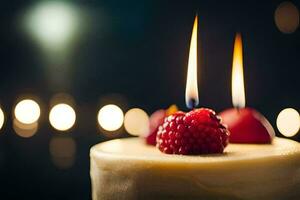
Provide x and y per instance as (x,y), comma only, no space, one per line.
(25,130)
(62,147)
(2,118)
(288,122)
(62,151)
(136,122)
(110,117)
(62,117)
(287,17)
(53,23)
(27,111)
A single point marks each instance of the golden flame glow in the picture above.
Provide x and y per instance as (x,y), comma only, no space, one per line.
(191,91)
(237,82)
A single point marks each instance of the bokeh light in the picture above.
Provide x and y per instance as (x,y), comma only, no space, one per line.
(288,122)
(62,151)
(136,122)
(62,117)
(25,130)
(287,17)
(2,118)
(27,111)
(62,98)
(110,117)
(53,23)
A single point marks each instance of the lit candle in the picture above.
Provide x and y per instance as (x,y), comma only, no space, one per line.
(198,131)
(246,125)
(191,91)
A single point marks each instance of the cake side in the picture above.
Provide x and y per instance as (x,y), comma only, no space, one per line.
(128,169)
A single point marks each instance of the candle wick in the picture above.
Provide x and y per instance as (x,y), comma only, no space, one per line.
(238,108)
(192,103)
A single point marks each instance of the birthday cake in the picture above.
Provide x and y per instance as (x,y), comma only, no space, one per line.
(193,160)
(129,169)
(187,155)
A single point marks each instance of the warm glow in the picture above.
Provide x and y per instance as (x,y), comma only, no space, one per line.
(237,82)
(62,151)
(288,122)
(62,117)
(136,122)
(110,117)
(191,91)
(25,130)
(287,17)
(53,23)
(171,110)
(1,118)
(27,111)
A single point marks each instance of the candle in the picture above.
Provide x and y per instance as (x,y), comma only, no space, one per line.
(191,91)
(199,131)
(246,125)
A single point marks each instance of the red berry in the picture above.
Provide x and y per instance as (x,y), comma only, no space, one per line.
(156,119)
(196,132)
(151,138)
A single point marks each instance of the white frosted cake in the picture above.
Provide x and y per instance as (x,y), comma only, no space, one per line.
(130,169)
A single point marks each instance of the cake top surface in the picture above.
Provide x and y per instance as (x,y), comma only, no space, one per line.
(135,148)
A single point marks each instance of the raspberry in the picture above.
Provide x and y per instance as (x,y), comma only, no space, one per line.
(199,131)
(157,119)
(151,138)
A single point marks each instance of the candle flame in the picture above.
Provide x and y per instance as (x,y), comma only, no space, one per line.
(191,91)
(237,82)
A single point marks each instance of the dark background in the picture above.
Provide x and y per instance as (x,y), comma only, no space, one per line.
(134,53)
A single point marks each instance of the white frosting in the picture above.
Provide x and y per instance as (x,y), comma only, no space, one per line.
(130,169)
